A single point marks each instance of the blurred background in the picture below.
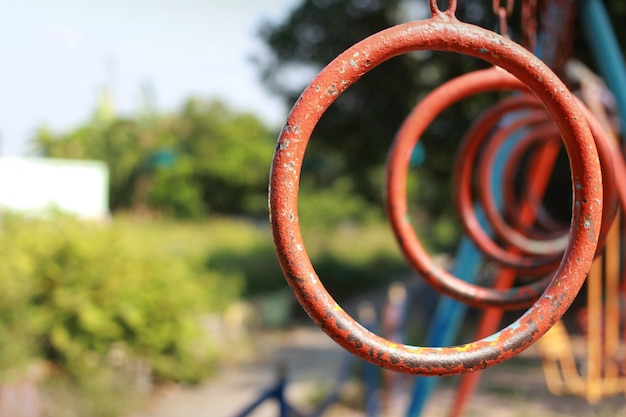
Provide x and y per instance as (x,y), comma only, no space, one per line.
(164,115)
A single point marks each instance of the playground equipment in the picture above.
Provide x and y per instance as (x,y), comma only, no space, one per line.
(600,321)
(445,33)
(554,260)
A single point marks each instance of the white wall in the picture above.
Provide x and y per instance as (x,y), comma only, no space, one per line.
(36,184)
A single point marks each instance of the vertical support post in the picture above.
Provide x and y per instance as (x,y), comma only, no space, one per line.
(537,181)
(446,321)
(612,307)
(595,332)
(371,373)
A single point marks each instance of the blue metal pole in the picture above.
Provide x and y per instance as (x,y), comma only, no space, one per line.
(371,373)
(449,313)
(446,322)
(607,52)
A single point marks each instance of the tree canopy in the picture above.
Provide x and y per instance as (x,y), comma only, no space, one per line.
(203,158)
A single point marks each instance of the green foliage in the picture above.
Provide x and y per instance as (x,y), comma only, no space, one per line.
(257,264)
(203,158)
(231,153)
(74,293)
(121,143)
(353,258)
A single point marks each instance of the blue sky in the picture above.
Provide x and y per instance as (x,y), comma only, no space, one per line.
(55,57)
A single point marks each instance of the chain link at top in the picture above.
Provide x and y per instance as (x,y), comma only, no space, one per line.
(507,5)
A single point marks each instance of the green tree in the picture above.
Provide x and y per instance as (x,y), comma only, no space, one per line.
(230,153)
(203,158)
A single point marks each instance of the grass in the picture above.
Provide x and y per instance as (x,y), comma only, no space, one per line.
(349,258)
(197,238)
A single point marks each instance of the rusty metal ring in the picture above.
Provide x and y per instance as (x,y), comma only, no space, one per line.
(533,143)
(409,134)
(609,165)
(538,128)
(515,105)
(546,225)
(465,164)
(442,32)
(543,244)
(407,137)
(614,191)
(609,185)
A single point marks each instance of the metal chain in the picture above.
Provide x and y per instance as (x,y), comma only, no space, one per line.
(557,32)
(529,24)
(508,6)
(503,9)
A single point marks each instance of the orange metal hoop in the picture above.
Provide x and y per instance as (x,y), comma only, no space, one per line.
(442,32)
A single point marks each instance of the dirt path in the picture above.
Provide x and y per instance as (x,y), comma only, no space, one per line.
(311,360)
(514,389)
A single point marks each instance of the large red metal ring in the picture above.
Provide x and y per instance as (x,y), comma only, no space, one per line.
(443,33)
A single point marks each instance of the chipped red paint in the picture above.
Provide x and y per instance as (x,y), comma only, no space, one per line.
(442,32)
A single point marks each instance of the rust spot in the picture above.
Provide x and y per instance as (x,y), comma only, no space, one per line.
(355,340)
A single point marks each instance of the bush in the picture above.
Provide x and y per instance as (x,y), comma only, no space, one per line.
(77,295)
